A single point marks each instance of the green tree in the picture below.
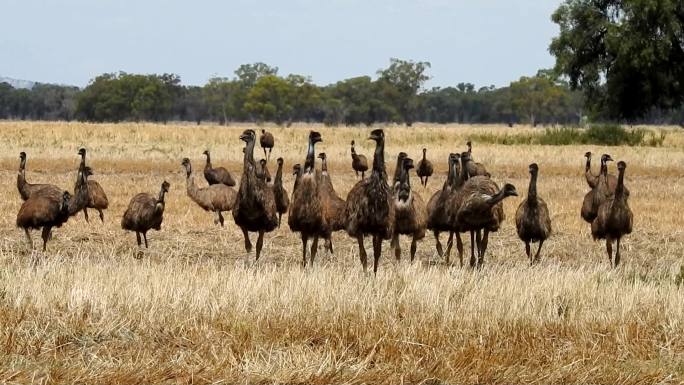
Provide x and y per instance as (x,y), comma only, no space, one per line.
(533,97)
(403,79)
(271,99)
(626,55)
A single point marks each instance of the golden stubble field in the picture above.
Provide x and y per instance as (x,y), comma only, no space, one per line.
(195,309)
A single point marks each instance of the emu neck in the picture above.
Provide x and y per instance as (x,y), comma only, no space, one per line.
(464,170)
(532,191)
(404,178)
(398,171)
(498,197)
(324,165)
(162,194)
(279,175)
(208,159)
(620,187)
(587,166)
(310,157)
(379,158)
(249,153)
(77,203)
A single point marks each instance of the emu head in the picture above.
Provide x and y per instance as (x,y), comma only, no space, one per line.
(296,169)
(88,171)
(605,158)
(321,156)
(315,137)
(82,152)
(378,135)
(165,186)
(407,163)
(587,155)
(534,169)
(248,136)
(280,162)
(509,190)
(186,164)
(621,165)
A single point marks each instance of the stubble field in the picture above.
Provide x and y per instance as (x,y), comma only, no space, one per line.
(196,309)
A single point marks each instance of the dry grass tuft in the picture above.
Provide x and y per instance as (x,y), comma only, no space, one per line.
(195,310)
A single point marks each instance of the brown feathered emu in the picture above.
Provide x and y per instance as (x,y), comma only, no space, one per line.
(593,180)
(296,172)
(145,212)
(359,162)
(218,175)
(25,188)
(615,218)
(410,214)
(599,194)
(255,209)
(437,209)
(216,198)
(482,210)
(333,205)
(424,169)
(532,219)
(306,210)
(369,209)
(267,141)
(282,200)
(262,171)
(398,168)
(47,209)
(473,168)
(97,198)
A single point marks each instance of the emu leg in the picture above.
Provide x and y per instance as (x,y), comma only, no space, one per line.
(450,243)
(426,179)
(145,238)
(536,257)
(328,244)
(363,174)
(357,173)
(220,217)
(305,240)
(265,156)
(248,244)
(413,248)
(438,244)
(609,249)
(28,238)
(137,236)
(268,158)
(314,249)
(101,215)
(527,251)
(395,246)
(478,242)
(46,236)
(617,253)
(485,242)
(362,253)
(377,250)
(459,248)
(260,244)
(472,249)
(280,216)
(85,213)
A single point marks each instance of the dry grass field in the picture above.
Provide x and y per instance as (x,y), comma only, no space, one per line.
(196,309)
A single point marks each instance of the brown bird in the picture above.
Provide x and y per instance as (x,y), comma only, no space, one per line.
(398,168)
(25,188)
(48,208)
(296,172)
(145,212)
(438,218)
(333,205)
(482,209)
(369,209)
(593,180)
(359,162)
(614,219)
(410,214)
(532,217)
(306,210)
(282,200)
(267,141)
(216,198)
(218,175)
(475,169)
(262,171)
(255,208)
(424,170)
(97,198)
(599,194)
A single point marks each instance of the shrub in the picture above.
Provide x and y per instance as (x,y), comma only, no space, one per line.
(606,135)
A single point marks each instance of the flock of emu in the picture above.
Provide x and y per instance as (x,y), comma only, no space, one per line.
(469,201)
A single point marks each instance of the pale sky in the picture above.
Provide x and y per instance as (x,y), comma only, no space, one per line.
(71,41)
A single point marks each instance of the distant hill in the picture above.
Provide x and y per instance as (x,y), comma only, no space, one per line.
(17,83)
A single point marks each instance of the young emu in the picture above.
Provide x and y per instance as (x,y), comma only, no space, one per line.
(359,162)
(473,168)
(145,212)
(614,219)
(218,175)
(593,180)
(424,170)
(97,198)
(410,214)
(438,218)
(267,141)
(25,188)
(282,201)
(216,198)
(333,205)
(599,194)
(369,209)
(532,218)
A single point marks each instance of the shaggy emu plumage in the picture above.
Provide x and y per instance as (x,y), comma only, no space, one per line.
(437,208)
(599,194)
(398,168)
(262,171)
(48,208)
(25,188)
(296,172)
(255,208)
(306,210)
(145,212)
(282,200)
(218,175)
(473,168)
(369,209)
(410,214)
(97,198)
(424,170)
(593,180)
(266,141)
(532,219)
(482,209)
(333,205)
(359,162)
(216,198)
(614,219)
